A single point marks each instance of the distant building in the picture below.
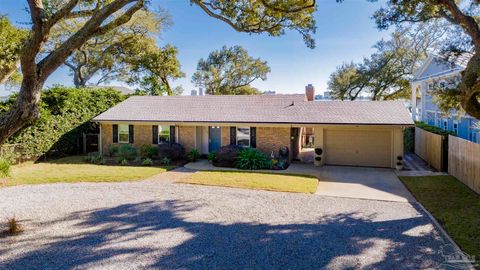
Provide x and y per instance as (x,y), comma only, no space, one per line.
(436,71)
(269,93)
(193,93)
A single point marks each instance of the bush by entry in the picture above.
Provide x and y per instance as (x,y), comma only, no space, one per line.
(265,181)
(74,169)
(453,204)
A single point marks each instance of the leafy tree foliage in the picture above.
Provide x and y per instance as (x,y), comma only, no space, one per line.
(464,16)
(128,53)
(11,40)
(265,16)
(386,74)
(101,17)
(65,114)
(229,71)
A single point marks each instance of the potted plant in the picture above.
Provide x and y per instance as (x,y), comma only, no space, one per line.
(317,161)
(399,165)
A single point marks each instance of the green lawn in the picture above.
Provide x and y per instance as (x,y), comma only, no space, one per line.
(265,181)
(453,204)
(73,169)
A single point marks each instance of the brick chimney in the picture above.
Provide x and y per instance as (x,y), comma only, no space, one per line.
(310,92)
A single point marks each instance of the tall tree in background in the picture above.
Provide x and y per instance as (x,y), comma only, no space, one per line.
(11,40)
(464,16)
(386,74)
(229,71)
(103,16)
(123,54)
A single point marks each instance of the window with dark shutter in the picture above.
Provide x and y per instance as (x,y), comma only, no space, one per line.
(130,134)
(115,133)
(155,134)
(172,134)
(233,135)
(253,137)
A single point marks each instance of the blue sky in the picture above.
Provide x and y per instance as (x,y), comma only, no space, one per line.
(345,32)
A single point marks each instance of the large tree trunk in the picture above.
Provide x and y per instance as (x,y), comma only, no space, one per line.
(470,87)
(23,111)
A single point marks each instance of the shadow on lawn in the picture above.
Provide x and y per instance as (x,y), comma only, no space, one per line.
(334,241)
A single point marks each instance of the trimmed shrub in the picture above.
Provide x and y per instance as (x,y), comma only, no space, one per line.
(112,150)
(4,168)
(173,151)
(94,158)
(252,159)
(434,129)
(193,155)
(211,156)
(138,160)
(147,151)
(123,162)
(226,156)
(165,161)
(65,113)
(127,151)
(147,162)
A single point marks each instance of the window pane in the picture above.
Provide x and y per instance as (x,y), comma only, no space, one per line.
(123,133)
(163,134)
(243,136)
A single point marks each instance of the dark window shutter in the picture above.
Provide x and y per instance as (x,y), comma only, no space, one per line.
(130,134)
(115,133)
(233,135)
(172,134)
(253,137)
(155,134)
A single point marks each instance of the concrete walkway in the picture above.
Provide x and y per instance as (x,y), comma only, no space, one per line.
(340,181)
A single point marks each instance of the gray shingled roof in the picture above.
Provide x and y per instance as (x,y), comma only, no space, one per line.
(256,109)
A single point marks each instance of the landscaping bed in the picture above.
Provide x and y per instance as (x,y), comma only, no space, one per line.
(250,180)
(453,204)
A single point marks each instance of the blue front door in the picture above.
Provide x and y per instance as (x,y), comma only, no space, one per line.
(214,138)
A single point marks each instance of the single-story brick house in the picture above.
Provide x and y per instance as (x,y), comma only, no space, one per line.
(358,133)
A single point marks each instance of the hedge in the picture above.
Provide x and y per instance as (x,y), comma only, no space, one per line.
(434,129)
(65,114)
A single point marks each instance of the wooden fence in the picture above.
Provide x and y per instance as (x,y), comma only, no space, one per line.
(464,161)
(429,146)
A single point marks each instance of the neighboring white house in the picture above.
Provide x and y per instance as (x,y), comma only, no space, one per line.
(436,71)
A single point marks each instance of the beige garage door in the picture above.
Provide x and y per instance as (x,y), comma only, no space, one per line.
(358,147)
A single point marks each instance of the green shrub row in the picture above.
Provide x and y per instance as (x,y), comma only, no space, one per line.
(433,129)
(65,113)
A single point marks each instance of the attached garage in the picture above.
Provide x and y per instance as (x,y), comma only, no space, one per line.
(365,147)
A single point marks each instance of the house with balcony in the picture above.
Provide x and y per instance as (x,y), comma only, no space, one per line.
(436,72)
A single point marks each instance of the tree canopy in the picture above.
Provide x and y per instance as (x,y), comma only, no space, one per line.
(229,71)
(124,54)
(386,74)
(464,15)
(11,40)
(101,17)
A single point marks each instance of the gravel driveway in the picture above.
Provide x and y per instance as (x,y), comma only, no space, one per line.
(155,224)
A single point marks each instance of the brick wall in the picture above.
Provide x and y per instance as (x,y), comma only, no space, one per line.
(186,137)
(272,138)
(142,135)
(268,138)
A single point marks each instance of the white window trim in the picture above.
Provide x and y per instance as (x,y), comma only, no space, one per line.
(249,137)
(455,129)
(128,133)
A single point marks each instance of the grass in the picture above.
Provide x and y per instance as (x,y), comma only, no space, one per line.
(453,204)
(264,181)
(74,169)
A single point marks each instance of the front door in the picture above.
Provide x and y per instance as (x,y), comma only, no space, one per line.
(214,138)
